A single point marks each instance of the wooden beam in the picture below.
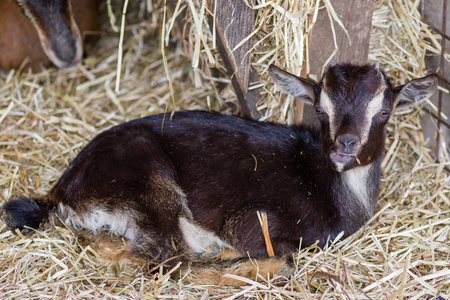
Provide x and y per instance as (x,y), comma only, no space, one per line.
(433,14)
(234,23)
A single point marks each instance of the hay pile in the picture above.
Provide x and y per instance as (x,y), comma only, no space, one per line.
(46,118)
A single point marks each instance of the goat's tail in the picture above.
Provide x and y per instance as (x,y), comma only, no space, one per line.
(25,212)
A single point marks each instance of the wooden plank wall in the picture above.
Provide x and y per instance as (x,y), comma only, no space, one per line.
(234,23)
(433,15)
(356,15)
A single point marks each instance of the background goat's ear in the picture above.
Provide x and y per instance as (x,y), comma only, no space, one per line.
(301,88)
(416,91)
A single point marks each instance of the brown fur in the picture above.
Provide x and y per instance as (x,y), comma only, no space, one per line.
(114,250)
(228,254)
(214,272)
(211,271)
(19,39)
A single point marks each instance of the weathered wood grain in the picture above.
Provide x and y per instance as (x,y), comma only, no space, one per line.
(234,23)
(356,15)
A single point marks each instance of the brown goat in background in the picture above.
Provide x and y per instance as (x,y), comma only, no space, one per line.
(44,31)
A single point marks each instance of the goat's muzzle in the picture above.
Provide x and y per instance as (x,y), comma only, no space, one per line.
(344,153)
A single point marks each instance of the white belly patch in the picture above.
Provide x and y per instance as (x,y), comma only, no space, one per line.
(97,219)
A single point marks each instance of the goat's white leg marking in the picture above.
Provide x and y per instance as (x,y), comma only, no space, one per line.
(118,222)
(327,106)
(197,238)
(357,180)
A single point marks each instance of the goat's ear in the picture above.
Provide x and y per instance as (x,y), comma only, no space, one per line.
(301,88)
(416,91)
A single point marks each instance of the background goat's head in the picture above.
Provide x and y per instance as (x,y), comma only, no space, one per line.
(353,104)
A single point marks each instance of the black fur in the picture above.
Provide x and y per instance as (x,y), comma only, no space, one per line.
(24,212)
(229,169)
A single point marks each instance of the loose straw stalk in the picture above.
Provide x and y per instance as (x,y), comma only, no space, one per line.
(262,216)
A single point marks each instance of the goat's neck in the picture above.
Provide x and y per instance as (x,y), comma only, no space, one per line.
(359,191)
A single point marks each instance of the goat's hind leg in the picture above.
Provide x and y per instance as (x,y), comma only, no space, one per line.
(109,248)
(145,227)
(124,183)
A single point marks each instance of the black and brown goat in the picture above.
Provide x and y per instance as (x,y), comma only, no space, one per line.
(176,185)
(44,31)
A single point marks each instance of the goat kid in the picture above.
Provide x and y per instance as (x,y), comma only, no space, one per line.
(177,185)
(45,32)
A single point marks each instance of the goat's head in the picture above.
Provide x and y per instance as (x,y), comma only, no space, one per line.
(353,104)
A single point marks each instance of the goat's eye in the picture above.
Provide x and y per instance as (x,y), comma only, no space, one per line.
(384,113)
(318,110)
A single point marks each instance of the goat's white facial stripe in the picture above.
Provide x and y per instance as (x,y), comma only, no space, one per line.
(374,106)
(327,106)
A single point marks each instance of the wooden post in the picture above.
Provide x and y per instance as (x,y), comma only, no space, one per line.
(234,22)
(433,14)
(356,15)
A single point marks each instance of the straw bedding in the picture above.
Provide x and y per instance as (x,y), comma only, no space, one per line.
(46,118)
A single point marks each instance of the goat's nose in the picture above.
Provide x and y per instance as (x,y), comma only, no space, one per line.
(347,140)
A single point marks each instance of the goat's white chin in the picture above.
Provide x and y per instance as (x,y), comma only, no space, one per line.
(342,161)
